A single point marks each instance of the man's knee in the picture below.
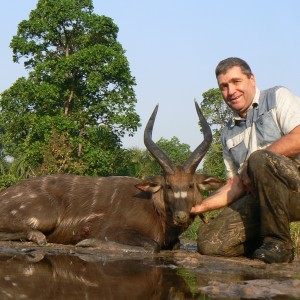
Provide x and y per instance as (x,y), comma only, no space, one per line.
(228,233)
(266,166)
(217,239)
(227,247)
(259,159)
(215,247)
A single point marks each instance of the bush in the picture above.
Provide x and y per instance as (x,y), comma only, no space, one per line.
(7,180)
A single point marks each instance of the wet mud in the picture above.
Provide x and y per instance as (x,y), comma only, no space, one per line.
(67,272)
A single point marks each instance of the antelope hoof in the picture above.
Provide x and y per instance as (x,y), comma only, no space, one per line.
(37,237)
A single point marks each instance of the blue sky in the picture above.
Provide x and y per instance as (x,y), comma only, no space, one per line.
(173,47)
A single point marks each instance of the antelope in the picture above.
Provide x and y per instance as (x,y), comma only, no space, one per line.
(82,210)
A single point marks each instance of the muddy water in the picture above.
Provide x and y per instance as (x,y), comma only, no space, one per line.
(59,272)
(71,277)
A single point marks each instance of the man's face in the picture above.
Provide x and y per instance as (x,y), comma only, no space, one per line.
(237,89)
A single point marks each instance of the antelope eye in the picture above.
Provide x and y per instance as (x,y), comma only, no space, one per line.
(191,185)
(168,186)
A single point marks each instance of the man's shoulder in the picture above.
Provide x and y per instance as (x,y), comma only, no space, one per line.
(278,89)
(271,90)
(278,94)
(268,98)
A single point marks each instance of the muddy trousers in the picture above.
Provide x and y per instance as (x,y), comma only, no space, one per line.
(264,216)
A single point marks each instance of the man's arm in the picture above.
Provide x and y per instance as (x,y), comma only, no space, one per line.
(231,191)
(288,145)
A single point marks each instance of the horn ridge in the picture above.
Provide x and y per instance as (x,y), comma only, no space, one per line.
(160,156)
(198,154)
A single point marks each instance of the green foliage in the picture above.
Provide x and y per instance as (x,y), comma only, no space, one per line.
(215,109)
(138,163)
(192,232)
(141,163)
(213,162)
(7,180)
(190,279)
(78,100)
(11,172)
(177,152)
(295,234)
(217,114)
(107,158)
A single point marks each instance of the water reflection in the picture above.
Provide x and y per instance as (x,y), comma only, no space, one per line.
(72,277)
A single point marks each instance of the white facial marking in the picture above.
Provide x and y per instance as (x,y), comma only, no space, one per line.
(176,195)
(181,195)
(13,212)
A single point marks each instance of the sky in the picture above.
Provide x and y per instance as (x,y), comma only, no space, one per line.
(174,46)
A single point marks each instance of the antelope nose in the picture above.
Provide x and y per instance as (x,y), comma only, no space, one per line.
(181,217)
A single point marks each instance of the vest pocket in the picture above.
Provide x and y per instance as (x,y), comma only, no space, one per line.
(266,130)
(237,148)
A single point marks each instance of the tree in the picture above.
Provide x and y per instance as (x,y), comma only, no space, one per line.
(78,101)
(213,161)
(178,152)
(141,164)
(217,114)
(215,109)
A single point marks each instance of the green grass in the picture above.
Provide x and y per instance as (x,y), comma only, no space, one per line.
(295,234)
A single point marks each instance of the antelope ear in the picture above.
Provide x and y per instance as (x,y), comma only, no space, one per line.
(208,183)
(148,186)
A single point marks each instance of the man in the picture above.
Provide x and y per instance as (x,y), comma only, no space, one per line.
(261,147)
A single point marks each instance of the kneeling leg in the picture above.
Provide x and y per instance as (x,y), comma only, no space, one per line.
(234,232)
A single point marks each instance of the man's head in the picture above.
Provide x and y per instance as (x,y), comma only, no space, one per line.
(237,84)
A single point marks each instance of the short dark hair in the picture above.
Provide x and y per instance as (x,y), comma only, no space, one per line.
(230,62)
